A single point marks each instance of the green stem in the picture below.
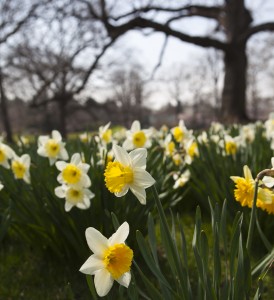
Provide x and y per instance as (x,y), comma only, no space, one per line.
(253,217)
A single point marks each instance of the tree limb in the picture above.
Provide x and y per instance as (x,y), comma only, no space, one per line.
(116,31)
(258,28)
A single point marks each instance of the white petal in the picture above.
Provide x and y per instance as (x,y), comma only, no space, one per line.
(52,161)
(25,158)
(268,181)
(136,126)
(123,192)
(125,279)
(56,135)
(121,155)
(127,144)
(59,192)
(68,206)
(91,265)
(138,157)
(84,167)
(103,282)
(120,235)
(272,162)
(76,159)
(60,165)
(96,241)
(139,192)
(85,181)
(41,151)
(64,154)
(89,194)
(143,178)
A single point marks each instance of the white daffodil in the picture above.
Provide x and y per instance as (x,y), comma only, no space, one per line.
(230,144)
(73,173)
(111,260)
(105,134)
(85,137)
(180,132)
(1,186)
(52,147)
(128,172)
(192,150)
(137,137)
(75,196)
(20,167)
(6,153)
(181,179)
(169,145)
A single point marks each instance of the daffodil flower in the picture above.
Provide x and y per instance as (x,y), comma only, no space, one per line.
(20,167)
(105,134)
(75,196)
(180,132)
(53,147)
(73,173)
(6,153)
(128,172)
(244,190)
(137,137)
(111,260)
(1,186)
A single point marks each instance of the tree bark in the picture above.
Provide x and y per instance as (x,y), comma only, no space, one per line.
(4,111)
(234,90)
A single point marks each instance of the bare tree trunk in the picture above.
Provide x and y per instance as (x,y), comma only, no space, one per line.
(62,105)
(4,111)
(233,96)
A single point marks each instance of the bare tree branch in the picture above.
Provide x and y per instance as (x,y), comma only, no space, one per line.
(258,28)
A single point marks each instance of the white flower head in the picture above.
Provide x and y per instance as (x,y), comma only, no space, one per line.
(6,153)
(111,259)
(73,173)
(52,147)
(20,167)
(128,172)
(180,132)
(75,196)
(105,134)
(137,137)
(181,179)
(192,150)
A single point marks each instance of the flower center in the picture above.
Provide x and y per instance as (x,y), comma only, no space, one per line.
(2,156)
(244,191)
(74,195)
(106,136)
(139,139)
(71,174)
(18,169)
(171,147)
(230,148)
(117,176)
(52,148)
(192,150)
(118,259)
(178,134)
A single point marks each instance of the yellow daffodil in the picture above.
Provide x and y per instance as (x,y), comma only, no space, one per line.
(244,189)
(111,260)
(20,167)
(52,147)
(75,196)
(180,132)
(128,172)
(73,173)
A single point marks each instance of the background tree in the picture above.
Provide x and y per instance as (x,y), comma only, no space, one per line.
(55,66)
(233,28)
(14,15)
